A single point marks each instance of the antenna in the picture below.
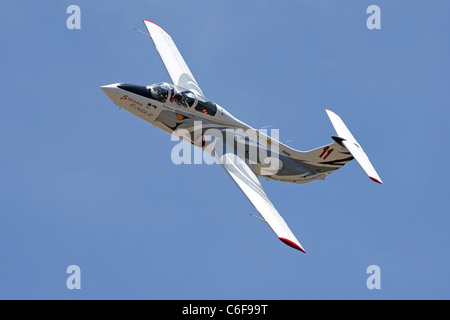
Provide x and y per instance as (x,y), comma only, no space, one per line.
(257,217)
(146,34)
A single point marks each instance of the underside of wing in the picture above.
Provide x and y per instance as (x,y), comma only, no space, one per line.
(172,58)
(248,182)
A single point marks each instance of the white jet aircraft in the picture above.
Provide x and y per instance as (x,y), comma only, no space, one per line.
(182,106)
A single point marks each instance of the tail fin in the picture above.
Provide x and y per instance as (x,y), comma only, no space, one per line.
(324,160)
(346,139)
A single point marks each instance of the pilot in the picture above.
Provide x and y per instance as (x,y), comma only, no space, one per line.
(178,98)
(159,93)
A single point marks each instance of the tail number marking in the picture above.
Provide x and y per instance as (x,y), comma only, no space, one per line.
(326,152)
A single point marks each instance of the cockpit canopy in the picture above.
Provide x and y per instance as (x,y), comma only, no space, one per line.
(165,93)
(169,93)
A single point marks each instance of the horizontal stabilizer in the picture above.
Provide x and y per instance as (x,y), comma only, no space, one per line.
(348,141)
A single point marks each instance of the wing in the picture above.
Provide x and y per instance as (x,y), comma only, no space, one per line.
(247,181)
(172,59)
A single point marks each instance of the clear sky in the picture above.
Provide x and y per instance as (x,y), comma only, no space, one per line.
(83,183)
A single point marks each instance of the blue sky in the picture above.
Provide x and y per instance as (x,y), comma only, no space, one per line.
(85,184)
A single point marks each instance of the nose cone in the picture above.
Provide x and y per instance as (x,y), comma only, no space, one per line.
(110,90)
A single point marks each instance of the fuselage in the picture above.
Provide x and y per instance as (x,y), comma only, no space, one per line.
(180,111)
